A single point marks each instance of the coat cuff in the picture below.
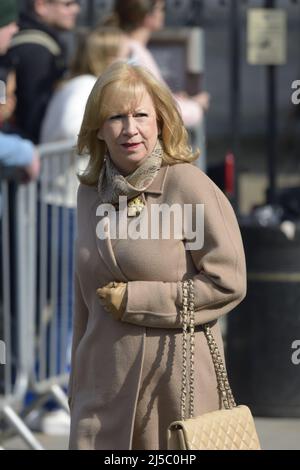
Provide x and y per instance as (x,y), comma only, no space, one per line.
(153,303)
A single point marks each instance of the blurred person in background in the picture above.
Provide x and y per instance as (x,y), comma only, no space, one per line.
(39,58)
(139,19)
(8,25)
(95,51)
(18,157)
(8,77)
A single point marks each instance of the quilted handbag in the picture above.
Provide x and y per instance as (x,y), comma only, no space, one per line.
(230,428)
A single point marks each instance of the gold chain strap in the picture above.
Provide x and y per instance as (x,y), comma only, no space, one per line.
(192,346)
(184,320)
(188,326)
(220,370)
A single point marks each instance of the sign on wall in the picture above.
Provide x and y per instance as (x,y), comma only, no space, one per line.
(266,36)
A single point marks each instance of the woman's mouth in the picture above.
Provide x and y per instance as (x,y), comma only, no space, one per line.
(131,146)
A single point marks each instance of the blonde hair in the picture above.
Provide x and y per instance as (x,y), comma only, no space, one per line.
(96,50)
(118,90)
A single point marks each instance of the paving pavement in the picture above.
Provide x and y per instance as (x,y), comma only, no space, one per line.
(279,433)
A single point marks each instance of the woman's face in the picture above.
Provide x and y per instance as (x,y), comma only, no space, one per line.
(131,136)
(155,20)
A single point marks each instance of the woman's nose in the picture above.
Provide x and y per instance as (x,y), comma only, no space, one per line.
(129,126)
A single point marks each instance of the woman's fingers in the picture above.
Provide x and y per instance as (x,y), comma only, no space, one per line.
(111,285)
(102,292)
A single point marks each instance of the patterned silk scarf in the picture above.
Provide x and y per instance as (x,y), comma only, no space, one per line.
(112,184)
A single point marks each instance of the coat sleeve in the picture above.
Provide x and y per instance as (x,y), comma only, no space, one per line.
(15,151)
(220,279)
(191,112)
(80,318)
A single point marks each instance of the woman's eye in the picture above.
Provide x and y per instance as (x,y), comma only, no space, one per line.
(115,117)
(141,115)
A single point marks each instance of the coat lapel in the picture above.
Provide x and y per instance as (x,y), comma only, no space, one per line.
(106,252)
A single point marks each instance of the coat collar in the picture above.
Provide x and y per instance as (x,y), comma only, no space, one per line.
(157,185)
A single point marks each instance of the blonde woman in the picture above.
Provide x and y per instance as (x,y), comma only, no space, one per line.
(126,355)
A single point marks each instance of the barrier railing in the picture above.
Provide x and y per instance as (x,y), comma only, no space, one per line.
(14,309)
(55,233)
(36,282)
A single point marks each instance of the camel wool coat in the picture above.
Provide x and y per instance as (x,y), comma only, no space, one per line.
(125,379)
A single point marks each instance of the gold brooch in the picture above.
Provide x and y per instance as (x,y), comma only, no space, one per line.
(135,206)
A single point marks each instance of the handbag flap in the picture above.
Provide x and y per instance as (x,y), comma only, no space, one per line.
(232,429)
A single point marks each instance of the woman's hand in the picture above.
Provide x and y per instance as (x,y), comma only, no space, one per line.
(114,298)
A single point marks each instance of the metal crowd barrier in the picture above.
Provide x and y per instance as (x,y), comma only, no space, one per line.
(36,288)
(55,230)
(15,305)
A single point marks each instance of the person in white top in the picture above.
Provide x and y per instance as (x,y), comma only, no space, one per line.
(95,51)
(139,19)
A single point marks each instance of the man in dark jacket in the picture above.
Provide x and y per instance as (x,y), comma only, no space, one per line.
(39,58)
